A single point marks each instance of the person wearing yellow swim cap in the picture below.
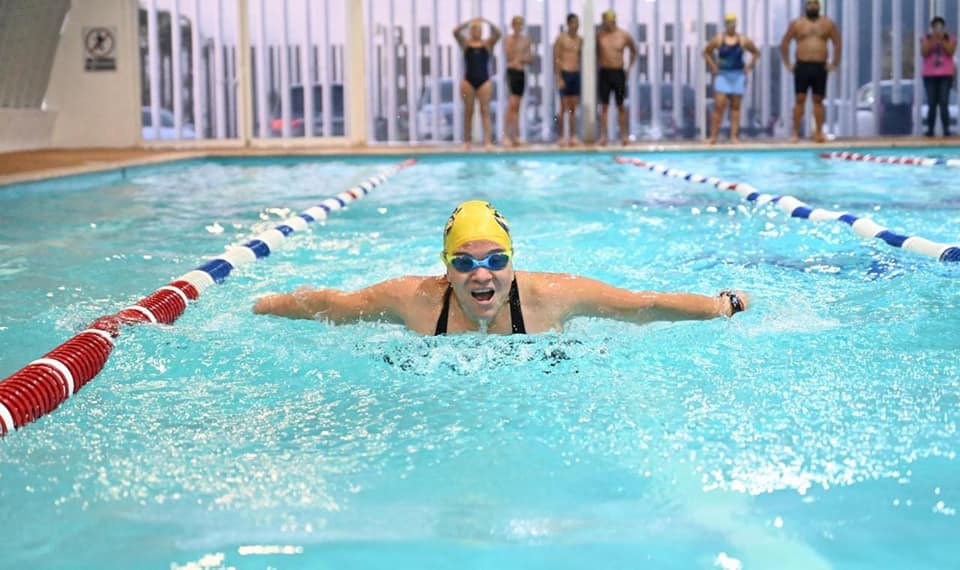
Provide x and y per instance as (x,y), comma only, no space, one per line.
(481,291)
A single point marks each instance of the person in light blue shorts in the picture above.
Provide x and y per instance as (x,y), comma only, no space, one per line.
(730,75)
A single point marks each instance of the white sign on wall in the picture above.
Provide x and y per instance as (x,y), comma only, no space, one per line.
(99,48)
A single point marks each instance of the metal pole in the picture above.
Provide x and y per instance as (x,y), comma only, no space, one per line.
(457,79)
(918,30)
(547,93)
(307,81)
(678,83)
(588,66)
(373,78)
(435,75)
(244,87)
(177,72)
(219,76)
(196,74)
(700,74)
(391,49)
(153,61)
(633,74)
(876,60)
(896,22)
(766,68)
(655,74)
(262,112)
(413,74)
(522,120)
(853,56)
(501,73)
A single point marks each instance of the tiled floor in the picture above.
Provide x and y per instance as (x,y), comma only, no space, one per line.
(39,164)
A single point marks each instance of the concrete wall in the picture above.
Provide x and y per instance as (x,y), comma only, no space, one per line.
(96,109)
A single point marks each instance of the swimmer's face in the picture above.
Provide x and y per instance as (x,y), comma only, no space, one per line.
(573,24)
(731,25)
(476,30)
(481,292)
(517,25)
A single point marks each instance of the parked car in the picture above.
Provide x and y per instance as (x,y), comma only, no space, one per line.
(167,130)
(894,118)
(297,124)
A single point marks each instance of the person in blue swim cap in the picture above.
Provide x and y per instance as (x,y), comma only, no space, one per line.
(481,291)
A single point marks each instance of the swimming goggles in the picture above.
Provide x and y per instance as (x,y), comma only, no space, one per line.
(466,263)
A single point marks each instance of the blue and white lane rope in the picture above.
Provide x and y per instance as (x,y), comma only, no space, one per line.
(42,385)
(908,160)
(864,227)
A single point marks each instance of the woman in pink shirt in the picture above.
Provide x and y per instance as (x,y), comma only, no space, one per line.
(938,70)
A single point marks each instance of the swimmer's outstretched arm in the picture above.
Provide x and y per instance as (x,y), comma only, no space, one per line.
(592,298)
(381,302)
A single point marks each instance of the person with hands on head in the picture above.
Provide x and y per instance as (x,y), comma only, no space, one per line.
(730,75)
(476,85)
(481,291)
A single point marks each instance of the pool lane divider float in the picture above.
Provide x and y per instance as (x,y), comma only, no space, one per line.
(908,160)
(42,385)
(864,227)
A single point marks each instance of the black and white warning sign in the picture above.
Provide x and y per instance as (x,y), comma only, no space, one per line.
(99,49)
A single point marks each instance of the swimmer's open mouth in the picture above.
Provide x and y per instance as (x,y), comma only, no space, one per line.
(482,294)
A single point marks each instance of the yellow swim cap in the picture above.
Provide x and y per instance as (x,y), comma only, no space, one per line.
(729,17)
(610,14)
(476,220)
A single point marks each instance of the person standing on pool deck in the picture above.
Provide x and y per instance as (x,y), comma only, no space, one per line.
(729,75)
(476,85)
(517,47)
(566,65)
(937,49)
(811,31)
(611,76)
(481,291)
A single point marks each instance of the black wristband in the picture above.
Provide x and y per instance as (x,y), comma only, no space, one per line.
(736,305)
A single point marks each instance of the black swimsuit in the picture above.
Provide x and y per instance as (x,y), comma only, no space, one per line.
(516,315)
(477,65)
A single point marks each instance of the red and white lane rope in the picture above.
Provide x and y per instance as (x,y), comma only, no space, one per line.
(908,160)
(42,385)
(864,227)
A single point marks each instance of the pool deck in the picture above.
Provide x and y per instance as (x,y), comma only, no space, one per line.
(27,166)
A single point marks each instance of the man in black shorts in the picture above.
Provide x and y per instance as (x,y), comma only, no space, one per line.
(517,46)
(611,75)
(812,31)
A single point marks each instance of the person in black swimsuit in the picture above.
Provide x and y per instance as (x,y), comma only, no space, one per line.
(481,291)
(476,84)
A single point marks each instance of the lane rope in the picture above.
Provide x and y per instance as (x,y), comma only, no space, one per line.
(42,385)
(907,160)
(864,227)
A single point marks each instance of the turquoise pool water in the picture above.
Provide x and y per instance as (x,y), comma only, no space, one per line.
(818,430)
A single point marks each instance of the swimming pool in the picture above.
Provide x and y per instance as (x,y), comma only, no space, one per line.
(817,430)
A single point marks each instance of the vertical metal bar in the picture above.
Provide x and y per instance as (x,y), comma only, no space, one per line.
(501,71)
(588,68)
(699,74)
(391,49)
(655,72)
(435,75)
(262,110)
(284,71)
(176,50)
(876,61)
(457,61)
(853,55)
(413,73)
(373,84)
(243,77)
(355,106)
(747,102)
(153,61)
(547,109)
(219,77)
(196,77)
(833,94)
(306,75)
(522,119)
(896,22)
(786,98)
(918,30)
(678,83)
(634,73)
(766,68)
(326,75)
